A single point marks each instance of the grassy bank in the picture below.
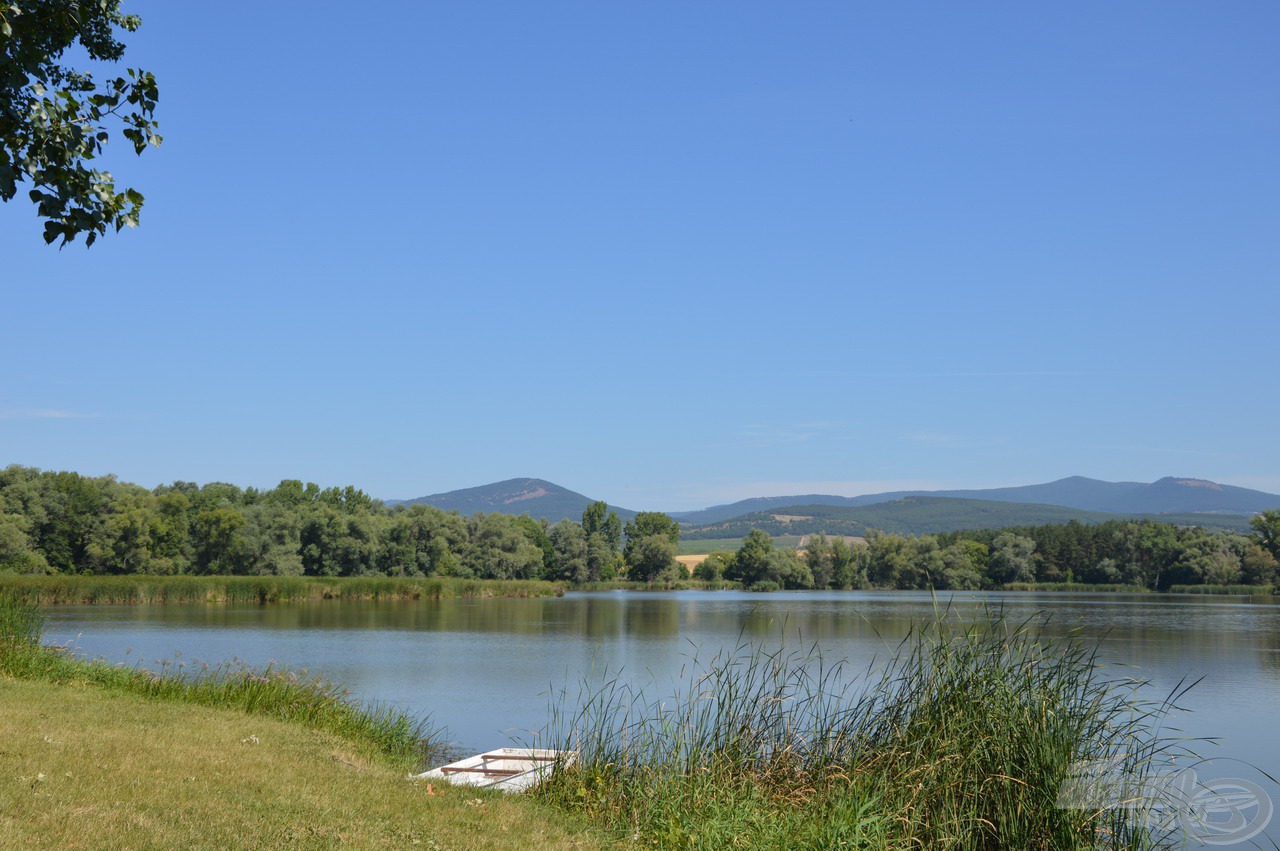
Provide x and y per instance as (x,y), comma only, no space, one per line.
(125,590)
(962,741)
(274,692)
(108,757)
(88,768)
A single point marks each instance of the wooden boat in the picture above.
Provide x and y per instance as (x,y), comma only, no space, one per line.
(507,769)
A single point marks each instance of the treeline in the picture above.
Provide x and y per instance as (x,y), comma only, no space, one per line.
(1144,554)
(65,523)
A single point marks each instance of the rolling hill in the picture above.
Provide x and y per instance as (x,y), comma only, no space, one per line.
(1168,495)
(923,515)
(536,497)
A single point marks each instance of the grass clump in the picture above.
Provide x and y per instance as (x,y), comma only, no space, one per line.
(69,590)
(273,692)
(962,740)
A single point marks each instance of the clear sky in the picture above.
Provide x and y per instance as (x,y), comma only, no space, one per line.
(672,254)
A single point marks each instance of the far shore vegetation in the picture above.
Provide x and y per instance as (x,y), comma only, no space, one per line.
(219,542)
(141,589)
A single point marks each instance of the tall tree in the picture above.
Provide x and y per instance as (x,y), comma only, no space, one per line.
(1267,527)
(646,524)
(597,519)
(55,120)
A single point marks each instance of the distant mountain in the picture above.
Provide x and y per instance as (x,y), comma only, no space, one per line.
(1173,496)
(718,513)
(926,515)
(536,497)
(1169,495)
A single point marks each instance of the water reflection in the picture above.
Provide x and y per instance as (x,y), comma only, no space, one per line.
(487,668)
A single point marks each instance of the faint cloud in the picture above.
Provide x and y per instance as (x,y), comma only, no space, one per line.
(1161,450)
(1270,484)
(762,435)
(43,414)
(933,437)
(732,492)
(976,374)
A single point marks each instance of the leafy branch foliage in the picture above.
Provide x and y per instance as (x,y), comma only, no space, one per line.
(55,120)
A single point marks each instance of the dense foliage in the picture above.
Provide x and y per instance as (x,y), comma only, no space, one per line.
(65,523)
(1142,554)
(55,120)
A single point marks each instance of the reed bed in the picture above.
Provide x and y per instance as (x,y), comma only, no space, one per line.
(961,740)
(1076,587)
(667,585)
(1235,590)
(68,590)
(279,693)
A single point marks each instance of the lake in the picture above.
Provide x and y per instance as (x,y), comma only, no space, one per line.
(486,669)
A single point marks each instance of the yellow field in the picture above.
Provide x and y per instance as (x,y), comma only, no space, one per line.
(692,561)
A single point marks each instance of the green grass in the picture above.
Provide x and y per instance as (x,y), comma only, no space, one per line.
(126,590)
(710,545)
(271,691)
(961,741)
(228,757)
(90,768)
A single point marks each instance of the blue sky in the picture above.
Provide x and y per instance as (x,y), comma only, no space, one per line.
(672,254)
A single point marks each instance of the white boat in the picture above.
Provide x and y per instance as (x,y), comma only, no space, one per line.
(507,769)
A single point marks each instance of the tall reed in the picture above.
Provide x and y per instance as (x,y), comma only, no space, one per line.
(1080,587)
(139,589)
(1234,590)
(961,740)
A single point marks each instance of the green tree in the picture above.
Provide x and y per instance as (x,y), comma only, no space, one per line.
(648,523)
(16,553)
(758,563)
(848,564)
(820,557)
(964,564)
(1013,559)
(500,549)
(652,558)
(889,557)
(603,560)
(714,566)
(597,519)
(570,546)
(1257,566)
(55,120)
(213,535)
(1267,527)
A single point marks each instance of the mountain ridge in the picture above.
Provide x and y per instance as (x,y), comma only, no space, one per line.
(538,498)
(1171,495)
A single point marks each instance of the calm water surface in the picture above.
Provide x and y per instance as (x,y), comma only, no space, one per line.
(485,669)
